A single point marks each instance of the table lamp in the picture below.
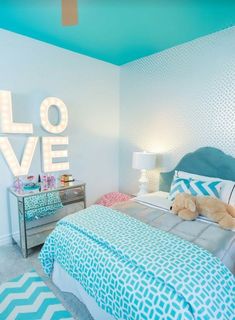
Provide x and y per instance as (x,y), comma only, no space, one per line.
(143,161)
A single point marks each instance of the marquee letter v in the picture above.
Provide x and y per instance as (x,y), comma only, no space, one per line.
(18,169)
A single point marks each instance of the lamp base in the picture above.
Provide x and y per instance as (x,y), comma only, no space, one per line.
(143,183)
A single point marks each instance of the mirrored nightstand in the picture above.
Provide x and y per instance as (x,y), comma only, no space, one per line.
(34,214)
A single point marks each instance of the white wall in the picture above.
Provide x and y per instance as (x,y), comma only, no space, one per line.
(33,70)
(177,101)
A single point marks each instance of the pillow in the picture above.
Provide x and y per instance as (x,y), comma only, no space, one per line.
(231,199)
(157,199)
(187,175)
(111,198)
(227,193)
(178,186)
(205,188)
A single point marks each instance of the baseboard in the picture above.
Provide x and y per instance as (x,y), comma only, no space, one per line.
(6,239)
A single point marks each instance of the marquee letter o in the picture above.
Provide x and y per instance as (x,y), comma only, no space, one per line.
(44,108)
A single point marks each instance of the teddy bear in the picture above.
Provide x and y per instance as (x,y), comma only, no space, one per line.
(189,207)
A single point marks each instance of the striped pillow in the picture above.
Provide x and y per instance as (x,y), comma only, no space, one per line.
(178,185)
(227,192)
(205,188)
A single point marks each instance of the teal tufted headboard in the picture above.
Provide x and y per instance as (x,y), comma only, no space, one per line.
(205,161)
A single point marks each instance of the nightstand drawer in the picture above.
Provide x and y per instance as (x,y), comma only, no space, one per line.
(71,195)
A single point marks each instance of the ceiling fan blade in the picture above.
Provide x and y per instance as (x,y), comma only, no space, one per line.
(69,12)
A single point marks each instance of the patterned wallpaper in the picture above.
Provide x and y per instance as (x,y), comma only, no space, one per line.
(177,101)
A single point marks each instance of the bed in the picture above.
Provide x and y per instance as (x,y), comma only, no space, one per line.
(148,263)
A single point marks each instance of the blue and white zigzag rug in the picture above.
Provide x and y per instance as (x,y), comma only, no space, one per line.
(28,298)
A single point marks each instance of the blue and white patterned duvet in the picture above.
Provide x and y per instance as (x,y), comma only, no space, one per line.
(138,272)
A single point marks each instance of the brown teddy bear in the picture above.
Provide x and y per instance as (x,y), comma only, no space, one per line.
(189,207)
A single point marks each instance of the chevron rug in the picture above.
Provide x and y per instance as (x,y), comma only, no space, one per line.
(28,298)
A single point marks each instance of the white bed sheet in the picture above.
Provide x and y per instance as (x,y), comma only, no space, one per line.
(68,284)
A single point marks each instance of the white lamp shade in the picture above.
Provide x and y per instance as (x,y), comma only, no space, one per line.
(144,160)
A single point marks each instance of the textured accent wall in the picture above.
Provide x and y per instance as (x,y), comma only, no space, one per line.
(177,101)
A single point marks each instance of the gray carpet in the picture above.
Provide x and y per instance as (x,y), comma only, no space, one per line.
(12,264)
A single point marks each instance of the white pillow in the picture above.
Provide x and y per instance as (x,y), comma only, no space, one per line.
(156,199)
(232,198)
(227,193)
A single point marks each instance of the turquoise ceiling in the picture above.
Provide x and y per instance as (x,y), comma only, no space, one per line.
(118,31)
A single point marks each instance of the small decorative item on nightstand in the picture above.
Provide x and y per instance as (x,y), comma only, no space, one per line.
(143,161)
(18,185)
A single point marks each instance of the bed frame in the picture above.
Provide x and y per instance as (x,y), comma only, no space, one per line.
(205,161)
